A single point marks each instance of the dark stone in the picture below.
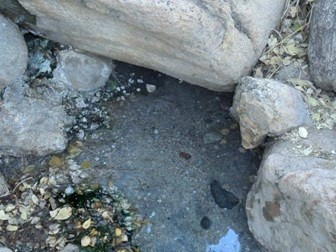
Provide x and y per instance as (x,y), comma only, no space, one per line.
(322,46)
(223,198)
(205,223)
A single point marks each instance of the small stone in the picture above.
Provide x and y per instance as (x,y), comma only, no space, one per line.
(212,137)
(303,133)
(150,88)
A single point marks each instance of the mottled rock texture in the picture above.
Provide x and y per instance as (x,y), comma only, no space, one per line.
(291,206)
(82,72)
(208,43)
(13,52)
(266,107)
(30,126)
(322,44)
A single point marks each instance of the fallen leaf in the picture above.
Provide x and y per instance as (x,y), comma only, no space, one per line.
(12,228)
(35,199)
(64,213)
(87,224)
(85,241)
(86,165)
(117,232)
(3,215)
(56,161)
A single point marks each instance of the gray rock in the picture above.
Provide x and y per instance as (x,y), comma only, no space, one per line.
(291,206)
(3,249)
(205,42)
(30,126)
(3,187)
(13,52)
(293,70)
(212,137)
(82,72)
(70,248)
(266,107)
(322,46)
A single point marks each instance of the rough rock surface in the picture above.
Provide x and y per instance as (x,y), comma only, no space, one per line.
(82,72)
(291,207)
(209,43)
(266,107)
(13,52)
(30,126)
(3,187)
(322,46)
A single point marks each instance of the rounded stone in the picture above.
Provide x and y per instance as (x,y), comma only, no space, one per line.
(13,52)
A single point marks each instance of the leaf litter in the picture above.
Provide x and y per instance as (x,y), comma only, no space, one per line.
(288,44)
(52,211)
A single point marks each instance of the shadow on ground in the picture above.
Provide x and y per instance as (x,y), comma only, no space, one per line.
(163,152)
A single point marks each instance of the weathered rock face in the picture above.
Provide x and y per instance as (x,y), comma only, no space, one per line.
(266,107)
(322,46)
(82,72)
(291,207)
(209,43)
(13,52)
(30,126)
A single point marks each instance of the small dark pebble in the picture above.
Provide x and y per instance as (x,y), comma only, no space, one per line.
(205,223)
(185,155)
(223,198)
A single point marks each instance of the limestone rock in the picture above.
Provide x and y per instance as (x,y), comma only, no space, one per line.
(266,107)
(291,206)
(204,42)
(82,72)
(322,46)
(13,52)
(30,126)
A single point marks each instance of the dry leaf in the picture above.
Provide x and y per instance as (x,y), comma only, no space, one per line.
(12,228)
(64,213)
(3,215)
(56,161)
(35,199)
(117,232)
(85,241)
(87,224)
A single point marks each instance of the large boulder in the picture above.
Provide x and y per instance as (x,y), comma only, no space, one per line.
(322,44)
(291,206)
(13,52)
(204,42)
(265,107)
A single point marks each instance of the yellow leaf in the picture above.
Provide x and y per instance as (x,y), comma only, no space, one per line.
(56,161)
(87,224)
(85,241)
(86,165)
(117,232)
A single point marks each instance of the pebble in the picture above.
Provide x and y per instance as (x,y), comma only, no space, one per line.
(212,137)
